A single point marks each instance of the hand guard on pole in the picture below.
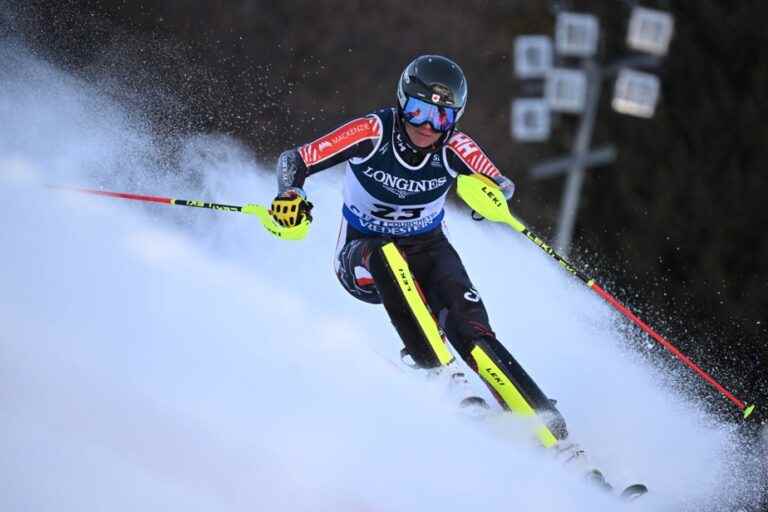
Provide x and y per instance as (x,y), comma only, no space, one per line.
(291,207)
(506,185)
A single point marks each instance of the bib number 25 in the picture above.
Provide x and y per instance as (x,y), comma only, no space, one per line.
(386,212)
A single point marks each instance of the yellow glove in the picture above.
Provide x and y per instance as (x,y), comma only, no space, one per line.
(291,207)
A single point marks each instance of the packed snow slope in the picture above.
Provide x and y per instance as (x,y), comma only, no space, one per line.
(162,358)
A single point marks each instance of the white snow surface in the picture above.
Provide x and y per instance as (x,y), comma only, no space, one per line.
(162,358)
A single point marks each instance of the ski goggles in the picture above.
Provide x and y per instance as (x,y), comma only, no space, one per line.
(418,112)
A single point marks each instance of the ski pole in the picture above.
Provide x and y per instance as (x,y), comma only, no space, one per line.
(484,196)
(297,232)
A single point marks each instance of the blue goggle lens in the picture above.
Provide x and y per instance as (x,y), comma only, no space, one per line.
(418,112)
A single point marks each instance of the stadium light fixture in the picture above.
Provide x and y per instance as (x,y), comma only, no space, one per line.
(530,120)
(565,90)
(576,34)
(533,56)
(636,93)
(650,31)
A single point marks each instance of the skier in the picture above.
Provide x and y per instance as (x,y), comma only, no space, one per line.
(400,164)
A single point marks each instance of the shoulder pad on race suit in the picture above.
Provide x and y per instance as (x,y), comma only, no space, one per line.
(340,139)
(471,154)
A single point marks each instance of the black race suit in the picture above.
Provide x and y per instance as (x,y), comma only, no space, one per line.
(392,193)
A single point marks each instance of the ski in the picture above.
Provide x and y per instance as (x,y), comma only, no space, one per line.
(632,492)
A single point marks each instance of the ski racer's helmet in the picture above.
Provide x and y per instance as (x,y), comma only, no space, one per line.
(432,89)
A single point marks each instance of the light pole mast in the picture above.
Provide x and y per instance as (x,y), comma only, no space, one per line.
(571,90)
(580,150)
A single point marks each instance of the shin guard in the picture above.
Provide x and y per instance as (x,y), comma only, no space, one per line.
(407,308)
(515,390)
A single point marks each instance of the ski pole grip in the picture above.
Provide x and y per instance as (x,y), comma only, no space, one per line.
(298,232)
(485,197)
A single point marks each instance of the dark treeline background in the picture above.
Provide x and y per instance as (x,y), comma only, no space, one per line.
(675,227)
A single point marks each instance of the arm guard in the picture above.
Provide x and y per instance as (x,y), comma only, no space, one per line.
(291,171)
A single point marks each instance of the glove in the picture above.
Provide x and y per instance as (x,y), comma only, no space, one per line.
(506,185)
(291,207)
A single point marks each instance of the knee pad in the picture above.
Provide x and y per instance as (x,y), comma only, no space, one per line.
(353,274)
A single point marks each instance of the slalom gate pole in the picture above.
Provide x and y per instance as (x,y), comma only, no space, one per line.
(297,232)
(485,197)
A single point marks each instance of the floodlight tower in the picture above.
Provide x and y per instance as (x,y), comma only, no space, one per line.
(576,91)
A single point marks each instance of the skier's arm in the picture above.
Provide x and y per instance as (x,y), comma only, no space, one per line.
(466,157)
(356,138)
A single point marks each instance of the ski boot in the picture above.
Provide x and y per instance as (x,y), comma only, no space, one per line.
(458,386)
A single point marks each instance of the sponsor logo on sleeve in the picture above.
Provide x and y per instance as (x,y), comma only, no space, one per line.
(471,154)
(340,139)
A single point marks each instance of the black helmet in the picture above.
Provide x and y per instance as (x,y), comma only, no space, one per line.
(434,79)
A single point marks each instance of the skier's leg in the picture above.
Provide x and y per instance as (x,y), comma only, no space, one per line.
(465,320)
(374,271)
(351,269)
(405,304)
